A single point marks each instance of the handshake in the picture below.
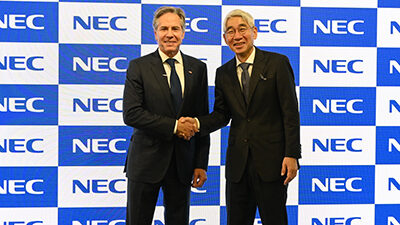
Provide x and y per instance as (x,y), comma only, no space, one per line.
(187,128)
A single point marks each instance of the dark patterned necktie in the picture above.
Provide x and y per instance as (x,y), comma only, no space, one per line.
(245,80)
(176,89)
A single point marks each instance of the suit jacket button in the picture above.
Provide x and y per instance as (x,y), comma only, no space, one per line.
(246,140)
(248,120)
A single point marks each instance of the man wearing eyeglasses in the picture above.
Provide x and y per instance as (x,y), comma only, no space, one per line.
(255,90)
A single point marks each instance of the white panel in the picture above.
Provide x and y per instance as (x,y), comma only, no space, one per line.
(67,94)
(386,37)
(336,214)
(44,58)
(214,158)
(46,216)
(183,2)
(387,184)
(266,36)
(105,11)
(90,175)
(344,146)
(209,54)
(387,99)
(340,3)
(199,215)
(22,136)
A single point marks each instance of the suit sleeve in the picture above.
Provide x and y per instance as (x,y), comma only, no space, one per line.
(135,113)
(289,107)
(202,141)
(221,114)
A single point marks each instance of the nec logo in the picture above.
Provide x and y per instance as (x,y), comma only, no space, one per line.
(337,145)
(393,104)
(21,22)
(394,145)
(21,187)
(98,145)
(394,67)
(99,23)
(336,184)
(98,105)
(21,105)
(392,221)
(99,222)
(98,186)
(337,106)
(22,223)
(394,26)
(337,27)
(193,222)
(98,64)
(393,184)
(336,66)
(193,25)
(21,63)
(20,145)
(266,25)
(335,221)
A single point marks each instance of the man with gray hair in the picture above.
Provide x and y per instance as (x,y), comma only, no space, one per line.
(159,88)
(256,90)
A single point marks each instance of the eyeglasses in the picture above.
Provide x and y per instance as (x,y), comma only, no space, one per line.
(231,32)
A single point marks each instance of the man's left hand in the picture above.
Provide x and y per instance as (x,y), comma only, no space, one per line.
(289,167)
(199,178)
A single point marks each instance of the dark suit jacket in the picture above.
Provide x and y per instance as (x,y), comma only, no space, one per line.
(147,106)
(268,126)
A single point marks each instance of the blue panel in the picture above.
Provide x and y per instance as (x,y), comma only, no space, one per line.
(28,22)
(336,185)
(338,27)
(209,194)
(203,24)
(388,145)
(387,214)
(263,2)
(28,104)
(389,3)
(95,64)
(93,145)
(388,66)
(337,106)
(293,53)
(28,187)
(68,216)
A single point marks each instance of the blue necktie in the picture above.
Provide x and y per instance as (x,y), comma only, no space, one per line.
(245,80)
(176,89)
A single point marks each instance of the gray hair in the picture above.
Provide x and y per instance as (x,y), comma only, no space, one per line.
(168,9)
(239,13)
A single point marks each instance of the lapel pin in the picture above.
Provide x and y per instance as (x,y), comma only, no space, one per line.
(262,77)
(164,74)
(190,72)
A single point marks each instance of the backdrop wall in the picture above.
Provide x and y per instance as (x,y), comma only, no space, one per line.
(63,142)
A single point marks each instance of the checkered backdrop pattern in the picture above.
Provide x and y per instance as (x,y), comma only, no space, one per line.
(63,142)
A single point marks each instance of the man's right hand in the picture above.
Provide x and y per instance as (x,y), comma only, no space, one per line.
(187,128)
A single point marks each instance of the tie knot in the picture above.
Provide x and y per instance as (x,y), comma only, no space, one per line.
(244,66)
(171,62)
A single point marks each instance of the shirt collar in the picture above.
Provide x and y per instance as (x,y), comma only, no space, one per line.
(177,57)
(248,60)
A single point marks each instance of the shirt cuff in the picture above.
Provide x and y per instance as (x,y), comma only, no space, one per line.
(198,123)
(176,126)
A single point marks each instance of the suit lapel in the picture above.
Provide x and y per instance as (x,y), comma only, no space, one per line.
(159,74)
(237,89)
(258,68)
(188,74)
